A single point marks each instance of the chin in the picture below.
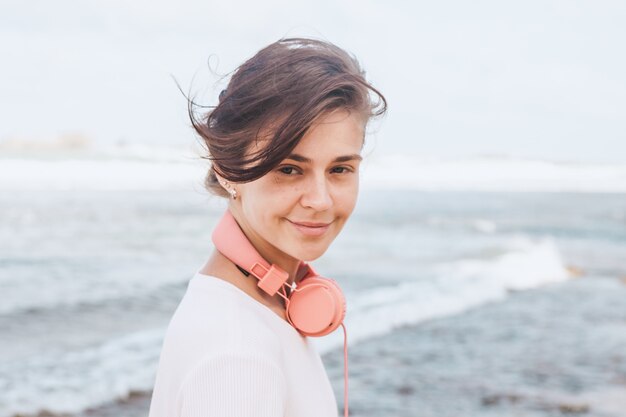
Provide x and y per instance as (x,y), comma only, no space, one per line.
(310,254)
(309,249)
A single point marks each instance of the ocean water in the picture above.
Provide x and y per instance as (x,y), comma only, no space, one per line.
(468,303)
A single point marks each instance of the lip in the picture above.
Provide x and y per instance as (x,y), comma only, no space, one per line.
(311,229)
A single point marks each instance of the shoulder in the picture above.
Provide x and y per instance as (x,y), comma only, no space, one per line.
(215,316)
(237,383)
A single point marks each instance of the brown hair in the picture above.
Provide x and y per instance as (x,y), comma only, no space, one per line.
(277,95)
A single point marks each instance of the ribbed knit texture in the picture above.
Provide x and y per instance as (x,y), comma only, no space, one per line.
(227,355)
(233,384)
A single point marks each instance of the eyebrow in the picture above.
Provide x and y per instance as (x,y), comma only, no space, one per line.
(344,158)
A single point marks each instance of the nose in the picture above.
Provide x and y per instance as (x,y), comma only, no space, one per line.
(316,194)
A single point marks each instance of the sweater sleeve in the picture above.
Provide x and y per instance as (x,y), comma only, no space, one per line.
(234,384)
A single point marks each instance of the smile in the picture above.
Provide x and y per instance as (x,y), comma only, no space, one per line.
(309,230)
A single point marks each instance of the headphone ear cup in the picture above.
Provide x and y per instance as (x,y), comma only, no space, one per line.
(342,300)
(317,307)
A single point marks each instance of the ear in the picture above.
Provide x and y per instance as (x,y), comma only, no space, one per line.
(228,186)
(223,182)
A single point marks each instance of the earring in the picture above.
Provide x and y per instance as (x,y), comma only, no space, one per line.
(232,191)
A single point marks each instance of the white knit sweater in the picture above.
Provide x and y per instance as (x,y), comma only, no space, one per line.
(227,355)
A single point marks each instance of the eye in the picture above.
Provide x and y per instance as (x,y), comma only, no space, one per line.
(287,170)
(343,170)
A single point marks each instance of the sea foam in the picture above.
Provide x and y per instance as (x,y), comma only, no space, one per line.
(455,287)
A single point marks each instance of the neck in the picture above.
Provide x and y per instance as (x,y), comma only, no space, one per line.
(288,265)
(221,267)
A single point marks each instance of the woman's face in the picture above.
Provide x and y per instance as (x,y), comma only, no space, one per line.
(316,185)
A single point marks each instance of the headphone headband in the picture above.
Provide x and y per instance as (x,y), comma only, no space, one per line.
(230,240)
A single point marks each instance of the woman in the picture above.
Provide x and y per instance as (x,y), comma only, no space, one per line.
(285,143)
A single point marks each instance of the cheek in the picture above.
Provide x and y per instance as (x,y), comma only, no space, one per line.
(347,198)
(267,206)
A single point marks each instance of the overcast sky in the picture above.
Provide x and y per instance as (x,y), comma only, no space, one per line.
(541,79)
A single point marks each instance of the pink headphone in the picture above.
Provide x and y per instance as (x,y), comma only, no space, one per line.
(315,305)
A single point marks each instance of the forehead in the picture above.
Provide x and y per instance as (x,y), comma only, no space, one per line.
(335,133)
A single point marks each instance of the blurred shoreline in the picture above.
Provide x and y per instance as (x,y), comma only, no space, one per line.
(74,162)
